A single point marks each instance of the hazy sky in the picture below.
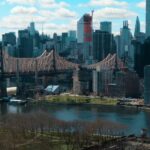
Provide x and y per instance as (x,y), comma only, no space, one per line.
(62,15)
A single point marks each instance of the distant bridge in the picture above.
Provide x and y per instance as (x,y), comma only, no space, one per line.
(47,63)
(51,62)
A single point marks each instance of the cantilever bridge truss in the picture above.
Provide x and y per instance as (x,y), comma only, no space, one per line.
(51,61)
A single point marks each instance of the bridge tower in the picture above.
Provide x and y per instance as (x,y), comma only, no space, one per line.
(54,59)
(2,79)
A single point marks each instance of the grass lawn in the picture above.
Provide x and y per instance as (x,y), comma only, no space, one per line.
(67,99)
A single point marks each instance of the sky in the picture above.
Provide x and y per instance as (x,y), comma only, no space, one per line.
(62,15)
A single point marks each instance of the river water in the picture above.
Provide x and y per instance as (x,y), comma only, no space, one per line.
(133,118)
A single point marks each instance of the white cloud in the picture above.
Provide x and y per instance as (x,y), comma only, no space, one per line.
(24,10)
(53,4)
(114,13)
(21,16)
(50,28)
(58,14)
(142,4)
(26,2)
(65,13)
(105,3)
(14,22)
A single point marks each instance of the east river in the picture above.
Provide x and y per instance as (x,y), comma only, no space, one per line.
(133,118)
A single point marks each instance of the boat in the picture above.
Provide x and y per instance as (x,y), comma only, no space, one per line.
(6,99)
(15,101)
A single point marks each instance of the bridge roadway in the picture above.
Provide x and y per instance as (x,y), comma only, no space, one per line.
(51,63)
(39,74)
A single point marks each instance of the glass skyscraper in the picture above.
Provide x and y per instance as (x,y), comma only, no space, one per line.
(147,18)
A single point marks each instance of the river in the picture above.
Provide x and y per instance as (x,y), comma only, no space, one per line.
(134,119)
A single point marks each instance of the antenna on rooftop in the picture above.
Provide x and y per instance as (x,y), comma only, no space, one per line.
(42,28)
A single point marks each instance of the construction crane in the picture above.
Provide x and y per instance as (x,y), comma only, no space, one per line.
(92,14)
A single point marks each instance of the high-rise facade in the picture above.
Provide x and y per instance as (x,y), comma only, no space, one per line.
(127,51)
(32,28)
(65,41)
(118,43)
(106,26)
(103,44)
(9,43)
(25,44)
(84,36)
(84,29)
(147,85)
(137,27)
(147,18)
(9,38)
(138,35)
(72,35)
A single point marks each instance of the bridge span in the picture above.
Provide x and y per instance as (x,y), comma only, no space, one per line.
(50,64)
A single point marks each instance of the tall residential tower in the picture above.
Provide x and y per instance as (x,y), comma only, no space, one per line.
(137,27)
(84,36)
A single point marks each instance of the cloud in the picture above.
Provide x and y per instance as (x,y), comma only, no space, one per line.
(25,2)
(105,3)
(65,13)
(142,4)
(21,16)
(114,13)
(53,4)
(50,28)
(58,14)
(24,10)
(15,22)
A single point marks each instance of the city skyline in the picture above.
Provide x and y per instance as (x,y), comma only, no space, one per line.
(61,16)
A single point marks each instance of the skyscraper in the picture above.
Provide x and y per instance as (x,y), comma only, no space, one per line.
(25,43)
(106,26)
(137,27)
(147,18)
(84,36)
(84,29)
(147,85)
(9,38)
(72,35)
(64,41)
(103,44)
(9,42)
(32,28)
(126,52)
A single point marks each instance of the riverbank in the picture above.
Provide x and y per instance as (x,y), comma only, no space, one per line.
(72,99)
(87,100)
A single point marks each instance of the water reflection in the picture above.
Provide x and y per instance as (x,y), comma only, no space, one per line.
(133,118)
